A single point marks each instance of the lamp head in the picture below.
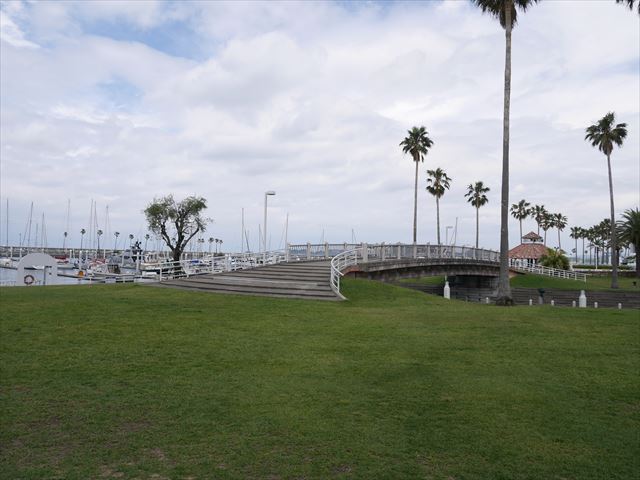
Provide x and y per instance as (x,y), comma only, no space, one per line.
(270,192)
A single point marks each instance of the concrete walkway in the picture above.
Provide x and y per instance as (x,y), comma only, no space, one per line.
(307,280)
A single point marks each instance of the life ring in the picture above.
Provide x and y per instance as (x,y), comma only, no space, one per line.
(29,279)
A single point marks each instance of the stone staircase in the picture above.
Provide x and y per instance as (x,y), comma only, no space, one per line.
(306,280)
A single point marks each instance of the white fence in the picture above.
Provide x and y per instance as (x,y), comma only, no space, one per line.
(549,272)
(372,253)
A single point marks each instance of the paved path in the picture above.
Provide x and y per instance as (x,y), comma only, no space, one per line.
(307,280)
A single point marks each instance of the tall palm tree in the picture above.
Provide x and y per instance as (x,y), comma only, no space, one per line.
(629,228)
(437,183)
(146,240)
(629,4)
(99,234)
(604,135)
(506,11)
(559,222)
(547,223)
(476,196)
(538,212)
(576,233)
(82,232)
(417,143)
(520,211)
(115,243)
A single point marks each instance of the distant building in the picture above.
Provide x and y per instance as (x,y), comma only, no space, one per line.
(529,251)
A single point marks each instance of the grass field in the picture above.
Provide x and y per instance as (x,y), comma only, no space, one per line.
(141,382)
(540,281)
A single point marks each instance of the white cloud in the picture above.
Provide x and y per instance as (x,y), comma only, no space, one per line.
(311,100)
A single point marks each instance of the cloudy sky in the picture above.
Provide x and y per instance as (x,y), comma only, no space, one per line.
(120,102)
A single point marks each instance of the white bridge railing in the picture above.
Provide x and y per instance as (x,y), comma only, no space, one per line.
(515,264)
(372,253)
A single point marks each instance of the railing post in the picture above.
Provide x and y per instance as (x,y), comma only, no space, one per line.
(286,253)
(326,250)
(383,253)
(308,251)
(365,252)
(399,251)
(415,250)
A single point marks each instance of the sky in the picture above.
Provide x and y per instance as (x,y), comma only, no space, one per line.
(118,103)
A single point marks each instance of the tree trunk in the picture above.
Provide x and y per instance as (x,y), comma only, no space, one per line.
(637,249)
(415,205)
(576,249)
(504,289)
(559,245)
(520,230)
(614,239)
(477,225)
(583,250)
(438,218)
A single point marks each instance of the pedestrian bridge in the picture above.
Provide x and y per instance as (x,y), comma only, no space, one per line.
(376,261)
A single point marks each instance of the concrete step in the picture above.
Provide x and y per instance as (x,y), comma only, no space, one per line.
(215,280)
(249,290)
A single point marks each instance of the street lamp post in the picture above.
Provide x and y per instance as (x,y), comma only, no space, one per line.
(264,237)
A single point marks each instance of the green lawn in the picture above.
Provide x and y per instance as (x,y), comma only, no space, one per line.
(540,281)
(592,283)
(127,381)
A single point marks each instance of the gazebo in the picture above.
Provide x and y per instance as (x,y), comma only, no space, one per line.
(529,252)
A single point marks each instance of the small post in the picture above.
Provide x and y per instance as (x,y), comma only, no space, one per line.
(530,302)
(399,252)
(582,300)
(286,253)
(486,300)
(573,304)
(541,296)
(595,304)
(365,252)
(326,250)
(619,306)
(308,251)
(447,290)
(553,303)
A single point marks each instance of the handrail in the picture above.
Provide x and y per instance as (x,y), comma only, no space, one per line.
(547,271)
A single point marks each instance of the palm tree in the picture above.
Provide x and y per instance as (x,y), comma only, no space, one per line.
(506,12)
(146,239)
(476,196)
(64,242)
(559,222)
(520,211)
(576,233)
(629,4)
(629,228)
(417,143)
(538,212)
(130,239)
(604,135)
(438,182)
(547,223)
(211,239)
(82,232)
(115,243)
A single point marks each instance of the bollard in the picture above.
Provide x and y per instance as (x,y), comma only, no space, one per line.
(582,300)
(573,303)
(595,304)
(530,302)
(486,300)
(553,303)
(447,290)
(619,306)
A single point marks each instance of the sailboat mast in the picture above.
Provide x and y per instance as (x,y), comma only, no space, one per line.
(7,232)
(286,232)
(242,233)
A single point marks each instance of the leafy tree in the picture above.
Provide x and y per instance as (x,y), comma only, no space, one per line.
(476,196)
(520,211)
(438,182)
(176,222)
(506,11)
(604,135)
(559,222)
(629,232)
(555,259)
(417,143)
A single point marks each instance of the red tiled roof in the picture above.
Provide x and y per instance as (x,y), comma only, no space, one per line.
(532,236)
(528,250)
